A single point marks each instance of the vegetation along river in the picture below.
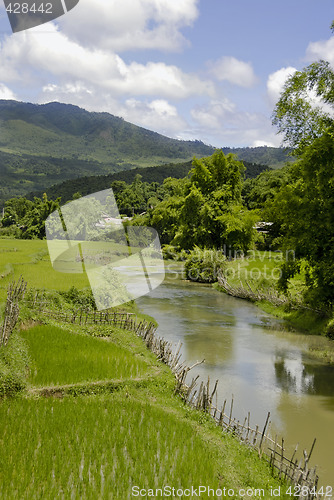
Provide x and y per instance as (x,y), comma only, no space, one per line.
(255,358)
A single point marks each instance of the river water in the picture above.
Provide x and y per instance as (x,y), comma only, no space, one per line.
(257,359)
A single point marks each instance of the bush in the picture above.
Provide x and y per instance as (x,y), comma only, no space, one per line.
(79,298)
(204,266)
(329,330)
(10,232)
(14,361)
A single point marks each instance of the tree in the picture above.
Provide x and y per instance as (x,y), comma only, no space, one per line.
(304,207)
(34,220)
(205,210)
(29,216)
(305,108)
(305,211)
(15,211)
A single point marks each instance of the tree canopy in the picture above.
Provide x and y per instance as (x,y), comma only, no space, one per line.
(303,208)
(306,106)
(205,210)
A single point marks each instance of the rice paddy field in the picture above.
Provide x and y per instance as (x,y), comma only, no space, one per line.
(59,356)
(96,414)
(30,259)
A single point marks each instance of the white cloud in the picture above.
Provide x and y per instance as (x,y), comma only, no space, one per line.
(258,143)
(221,123)
(6,93)
(130,24)
(323,49)
(30,56)
(158,115)
(275,85)
(234,71)
(276,82)
(211,116)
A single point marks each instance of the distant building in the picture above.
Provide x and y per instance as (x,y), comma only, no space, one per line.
(263,227)
(113,221)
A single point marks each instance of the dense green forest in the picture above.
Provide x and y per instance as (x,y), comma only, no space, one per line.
(92,184)
(67,131)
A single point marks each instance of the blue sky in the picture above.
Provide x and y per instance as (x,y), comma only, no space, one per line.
(191,69)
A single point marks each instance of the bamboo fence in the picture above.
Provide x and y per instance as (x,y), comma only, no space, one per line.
(200,396)
(124,320)
(269,293)
(15,293)
(242,292)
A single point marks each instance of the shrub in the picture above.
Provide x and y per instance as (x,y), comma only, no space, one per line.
(329,330)
(79,298)
(204,265)
(14,361)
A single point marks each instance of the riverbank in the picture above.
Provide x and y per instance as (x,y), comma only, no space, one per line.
(103,401)
(255,278)
(112,414)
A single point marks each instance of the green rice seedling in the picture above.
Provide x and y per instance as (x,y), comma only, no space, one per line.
(62,357)
(103,446)
(97,448)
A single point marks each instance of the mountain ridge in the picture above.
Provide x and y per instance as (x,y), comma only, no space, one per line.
(44,144)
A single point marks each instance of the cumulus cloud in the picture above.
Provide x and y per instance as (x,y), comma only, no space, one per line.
(276,81)
(6,93)
(233,71)
(157,114)
(210,116)
(323,49)
(223,124)
(30,55)
(130,24)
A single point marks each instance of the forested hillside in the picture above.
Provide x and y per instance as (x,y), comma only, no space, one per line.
(91,184)
(265,155)
(42,145)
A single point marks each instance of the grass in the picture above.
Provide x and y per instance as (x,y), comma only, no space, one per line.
(61,357)
(302,320)
(133,434)
(127,429)
(14,360)
(257,268)
(104,446)
(101,446)
(31,259)
(262,270)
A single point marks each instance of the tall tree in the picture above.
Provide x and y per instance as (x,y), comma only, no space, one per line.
(306,106)
(304,208)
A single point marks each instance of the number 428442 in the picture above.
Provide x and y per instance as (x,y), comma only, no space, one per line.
(304,491)
(24,8)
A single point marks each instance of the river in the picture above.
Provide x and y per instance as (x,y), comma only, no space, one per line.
(257,359)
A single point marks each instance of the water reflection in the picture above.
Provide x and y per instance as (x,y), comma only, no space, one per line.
(292,376)
(299,375)
(263,365)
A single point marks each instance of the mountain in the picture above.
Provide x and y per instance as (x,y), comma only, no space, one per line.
(264,155)
(43,145)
